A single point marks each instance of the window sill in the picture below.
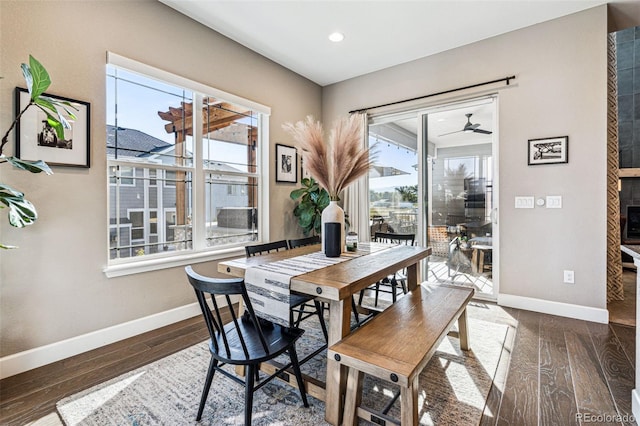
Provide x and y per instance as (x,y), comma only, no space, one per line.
(159,263)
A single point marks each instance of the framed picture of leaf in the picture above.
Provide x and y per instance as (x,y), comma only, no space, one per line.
(37,140)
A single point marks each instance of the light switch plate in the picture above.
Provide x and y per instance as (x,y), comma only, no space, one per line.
(524,202)
(554,201)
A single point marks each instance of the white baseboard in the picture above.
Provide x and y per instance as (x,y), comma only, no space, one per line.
(37,357)
(554,308)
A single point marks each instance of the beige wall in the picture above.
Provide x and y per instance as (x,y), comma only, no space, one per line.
(53,287)
(560,90)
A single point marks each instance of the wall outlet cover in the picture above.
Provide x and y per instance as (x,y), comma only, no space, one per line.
(524,203)
(554,201)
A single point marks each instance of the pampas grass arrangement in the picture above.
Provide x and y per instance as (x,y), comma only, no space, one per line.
(338,162)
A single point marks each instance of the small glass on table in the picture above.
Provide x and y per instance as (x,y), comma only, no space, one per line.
(352,241)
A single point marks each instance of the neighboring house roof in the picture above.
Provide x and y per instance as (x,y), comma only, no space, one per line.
(133,143)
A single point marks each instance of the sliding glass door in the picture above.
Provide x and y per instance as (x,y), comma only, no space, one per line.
(459,193)
(435,176)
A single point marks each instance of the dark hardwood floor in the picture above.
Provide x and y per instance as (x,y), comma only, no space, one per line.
(553,371)
(564,372)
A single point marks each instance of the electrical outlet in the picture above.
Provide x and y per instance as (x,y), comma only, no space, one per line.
(569,277)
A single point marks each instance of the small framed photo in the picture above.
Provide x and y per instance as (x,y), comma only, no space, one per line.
(36,140)
(286,164)
(304,173)
(548,151)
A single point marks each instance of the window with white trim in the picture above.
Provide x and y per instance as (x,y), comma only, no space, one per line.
(180,182)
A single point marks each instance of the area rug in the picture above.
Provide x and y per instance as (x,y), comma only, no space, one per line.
(453,389)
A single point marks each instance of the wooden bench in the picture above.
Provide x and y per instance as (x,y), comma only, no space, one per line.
(396,346)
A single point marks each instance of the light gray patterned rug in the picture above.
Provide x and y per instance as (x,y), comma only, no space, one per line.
(454,387)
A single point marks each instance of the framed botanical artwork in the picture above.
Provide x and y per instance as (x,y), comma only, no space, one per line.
(36,140)
(286,164)
(548,150)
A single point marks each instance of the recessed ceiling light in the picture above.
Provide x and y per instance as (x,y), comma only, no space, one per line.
(336,37)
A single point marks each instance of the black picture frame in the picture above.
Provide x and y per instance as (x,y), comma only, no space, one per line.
(548,151)
(286,164)
(35,140)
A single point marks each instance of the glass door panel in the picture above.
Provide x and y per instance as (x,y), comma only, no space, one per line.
(393,179)
(459,194)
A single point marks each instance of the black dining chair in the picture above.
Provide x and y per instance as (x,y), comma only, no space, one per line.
(302,306)
(266,248)
(393,280)
(306,241)
(241,341)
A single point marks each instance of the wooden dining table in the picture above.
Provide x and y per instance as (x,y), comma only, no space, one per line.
(336,285)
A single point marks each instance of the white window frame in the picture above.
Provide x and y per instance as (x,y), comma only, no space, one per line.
(144,238)
(200,252)
(119,176)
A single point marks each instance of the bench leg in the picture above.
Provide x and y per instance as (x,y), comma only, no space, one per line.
(463,328)
(353,398)
(409,403)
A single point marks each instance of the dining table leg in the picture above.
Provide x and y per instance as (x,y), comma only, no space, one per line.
(413,276)
(339,326)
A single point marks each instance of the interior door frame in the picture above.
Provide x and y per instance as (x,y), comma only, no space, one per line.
(423,181)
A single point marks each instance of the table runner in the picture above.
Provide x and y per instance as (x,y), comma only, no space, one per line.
(268,284)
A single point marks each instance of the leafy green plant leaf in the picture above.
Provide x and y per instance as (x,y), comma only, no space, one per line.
(55,118)
(55,106)
(21,211)
(28,78)
(56,125)
(41,79)
(30,166)
(312,200)
(297,193)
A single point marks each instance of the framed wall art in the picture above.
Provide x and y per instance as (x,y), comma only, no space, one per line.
(36,140)
(286,164)
(548,151)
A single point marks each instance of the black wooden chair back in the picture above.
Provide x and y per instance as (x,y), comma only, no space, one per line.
(307,241)
(386,237)
(266,248)
(242,341)
(399,277)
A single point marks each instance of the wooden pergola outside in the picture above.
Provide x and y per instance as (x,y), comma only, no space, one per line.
(217,118)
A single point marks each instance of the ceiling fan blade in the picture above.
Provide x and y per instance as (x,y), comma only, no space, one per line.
(484,132)
(470,127)
(450,133)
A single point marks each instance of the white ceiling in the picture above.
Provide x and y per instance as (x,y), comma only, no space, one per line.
(378,34)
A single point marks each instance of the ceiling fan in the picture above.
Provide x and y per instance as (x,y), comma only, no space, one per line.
(469,127)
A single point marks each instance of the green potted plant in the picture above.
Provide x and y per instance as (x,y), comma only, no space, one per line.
(313,199)
(21,211)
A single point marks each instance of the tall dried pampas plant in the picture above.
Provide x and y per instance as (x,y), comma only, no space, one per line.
(340,161)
